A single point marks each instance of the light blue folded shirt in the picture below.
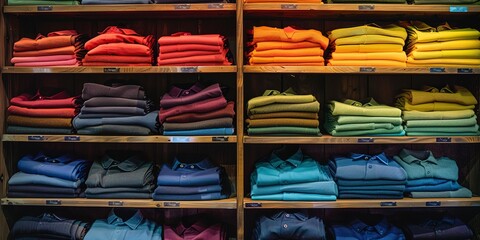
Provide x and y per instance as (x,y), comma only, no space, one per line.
(295,197)
(324,188)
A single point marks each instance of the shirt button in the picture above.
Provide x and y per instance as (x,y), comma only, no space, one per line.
(428,172)
(370,166)
(287,215)
(366,158)
(181,165)
(187,92)
(192,167)
(285,226)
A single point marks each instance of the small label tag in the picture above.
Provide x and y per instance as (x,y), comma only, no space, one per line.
(171,204)
(36,138)
(182,6)
(465,70)
(388,204)
(288,6)
(458,9)
(365,140)
(215,5)
(367,69)
(111,70)
(44,8)
(219,139)
(71,138)
(115,203)
(437,70)
(433,204)
(189,69)
(444,140)
(53,202)
(366,7)
(180,139)
(253,205)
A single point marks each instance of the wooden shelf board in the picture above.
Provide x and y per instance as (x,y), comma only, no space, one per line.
(120,69)
(339,8)
(230,203)
(118,139)
(121,8)
(361,70)
(327,139)
(366,203)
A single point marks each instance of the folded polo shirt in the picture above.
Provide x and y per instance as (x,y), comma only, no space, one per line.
(290,114)
(43,112)
(368,39)
(422,164)
(447,45)
(227,111)
(188,38)
(272,122)
(52,58)
(443,227)
(299,225)
(48,122)
(68,50)
(356,108)
(422,32)
(279,45)
(392,56)
(21,178)
(444,61)
(114,34)
(460,193)
(358,229)
(118,101)
(450,54)
(66,166)
(299,52)
(91,90)
(274,96)
(288,34)
(457,94)
(59,100)
(403,104)
(149,121)
(368,48)
(284,131)
(49,226)
(437,115)
(179,96)
(465,122)
(378,63)
(391,30)
(195,227)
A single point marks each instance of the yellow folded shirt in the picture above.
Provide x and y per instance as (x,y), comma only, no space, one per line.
(394,56)
(368,48)
(444,62)
(435,106)
(458,95)
(442,36)
(270,45)
(291,60)
(448,45)
(300,52)
(369,39)
(289,34)
(391,30)
(379,63)
(338,108)
(468,53)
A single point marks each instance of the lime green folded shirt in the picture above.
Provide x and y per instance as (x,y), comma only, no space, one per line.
(274,96)
(369,39)
(287,107)
(443,62)
(458,94)
(437,115)
(393,56)
(422,32)
(362,119)
(368,48)
(391,30)
(375,110)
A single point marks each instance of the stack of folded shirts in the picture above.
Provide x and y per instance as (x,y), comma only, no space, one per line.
(442,46)
(43,2)
(196,110)
(430,177)
(368,45)
(368,176)
(61,48)
(117,110)
(434,112)
(286,113)
(368,227)
(297,177)
(119,47)
(286,46)
(49,226)
(354,118)
(185,49)
(42,114)
(43,176)
(120,174)
(441,227)
(192,180)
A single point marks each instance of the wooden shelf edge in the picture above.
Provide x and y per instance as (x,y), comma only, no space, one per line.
(229,203)
(358,7)
(326,139)
(118,139)
(361,70)
(122,69)
(367,203)
(121,8)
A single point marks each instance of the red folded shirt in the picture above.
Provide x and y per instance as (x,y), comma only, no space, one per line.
(189,47)
(117,59)
(58,100)
(122,49)
(187,38)
(115,34)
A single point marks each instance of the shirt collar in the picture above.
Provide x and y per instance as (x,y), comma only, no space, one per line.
(41,157)
(364,103)
(295,160)
(133,222)
(381,157)
(117,30)
(360,227)
(288,92)
(129,164)
(180,92)
(39,96)
(195,229)
(302,216)
(410,156)
(201,165)
(446,89)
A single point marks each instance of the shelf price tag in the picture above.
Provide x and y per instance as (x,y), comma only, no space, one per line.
(71,138)
(215,6)
(464,70)
(182,6)
(253,205)
(180,139)
(444,140)
(433,204)
(388,204)
(189,69)
(53,202)
(458,9)
(437,70)
(219,139)
(115,203)
(288,6)
(365,140)
(171,204)
(111,70)
(367,69)
(36,138)
(369,7)
(44,8)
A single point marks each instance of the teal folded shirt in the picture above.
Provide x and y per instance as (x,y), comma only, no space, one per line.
(460,193)
(422,164)
(323,188)
(295,197)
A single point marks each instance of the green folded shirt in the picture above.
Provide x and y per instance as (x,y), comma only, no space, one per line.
(466,122)
(470,129)
(395,130)
(274,96)
(283,130)
(287,107)
(343,119)
(437,115)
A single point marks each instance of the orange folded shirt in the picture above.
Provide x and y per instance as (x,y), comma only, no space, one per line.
(190,47)
(113,34)
(28,44)
(288,34)
(395,56)
(187,38)
(262,46)
(285,60)
(69,50)
(300,52)
(123,49)
(117,59)
(43,112)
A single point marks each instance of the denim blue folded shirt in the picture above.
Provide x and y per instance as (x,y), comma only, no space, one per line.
(366,167)
(422,164)
(66,167)
(190,197)
(180,190)
(298,168)
(21,178)
(359,230)
(115,227)
(149,121)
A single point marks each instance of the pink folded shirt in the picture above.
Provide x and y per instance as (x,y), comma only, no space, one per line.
(190,47)
(188,38)
(43,58)
(173,55)
(61,63)
(215,59)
